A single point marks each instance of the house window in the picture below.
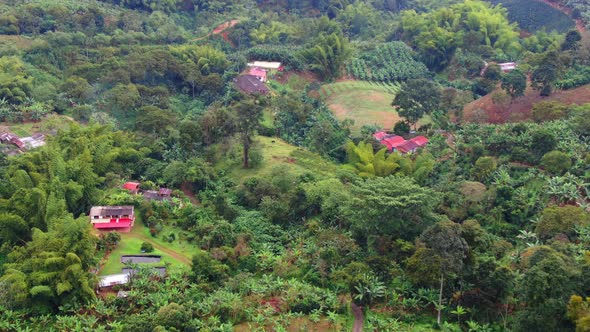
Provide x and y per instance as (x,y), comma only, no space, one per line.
(96,217)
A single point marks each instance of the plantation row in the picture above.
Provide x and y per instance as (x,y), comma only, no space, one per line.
(391,62)
(534,16)
(329,89)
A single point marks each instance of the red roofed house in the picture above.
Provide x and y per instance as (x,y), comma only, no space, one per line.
(420,140)
(132,187)
(380,135)
(507,66)
(393,142)
(119,218)
(259,73)
(408,147)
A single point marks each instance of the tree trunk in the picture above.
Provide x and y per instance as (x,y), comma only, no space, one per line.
(440,291)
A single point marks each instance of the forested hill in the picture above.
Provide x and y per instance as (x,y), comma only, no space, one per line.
(384,165)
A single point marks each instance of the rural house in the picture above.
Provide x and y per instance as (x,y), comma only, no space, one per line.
(163,194)
(112,217)
(398,143)
(267,65)
(260,74)
(250,84)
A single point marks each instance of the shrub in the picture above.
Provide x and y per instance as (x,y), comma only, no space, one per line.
(556,162)
(147,247)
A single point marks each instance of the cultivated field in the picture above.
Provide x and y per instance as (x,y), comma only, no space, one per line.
(367,103)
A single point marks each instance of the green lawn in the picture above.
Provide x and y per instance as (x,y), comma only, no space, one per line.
(275,152)
(46,125)
(177,254)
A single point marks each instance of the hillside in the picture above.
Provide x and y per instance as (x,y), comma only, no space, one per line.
(484,110)
(334,165)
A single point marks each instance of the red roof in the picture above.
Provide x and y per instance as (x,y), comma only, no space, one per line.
(123,223)
(420,140)
(131,185)
(393,142)
(380,135)
(407,146)
(258,72)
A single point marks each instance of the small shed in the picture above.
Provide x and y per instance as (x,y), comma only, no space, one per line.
(113,279)
(408,147)
(132,187)
(507,66)
(269,65)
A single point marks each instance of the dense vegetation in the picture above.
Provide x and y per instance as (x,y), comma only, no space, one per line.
(535,15)
(288,215)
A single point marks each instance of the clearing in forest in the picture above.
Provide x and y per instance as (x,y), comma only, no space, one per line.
(276,152)
(367,103)
(177,253)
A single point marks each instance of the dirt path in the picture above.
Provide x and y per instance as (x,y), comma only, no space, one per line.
(176,255)
(568,11)
(186,189)
(357,312)
(219,29)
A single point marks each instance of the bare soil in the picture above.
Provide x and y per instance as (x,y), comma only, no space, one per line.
(484,109)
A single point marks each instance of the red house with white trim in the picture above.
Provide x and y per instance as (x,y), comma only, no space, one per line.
(259,73)
(120,218)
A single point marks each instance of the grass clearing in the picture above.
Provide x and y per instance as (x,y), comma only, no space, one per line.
(47,125)
(367,103)
(18,42)
(277,152)
(175,255)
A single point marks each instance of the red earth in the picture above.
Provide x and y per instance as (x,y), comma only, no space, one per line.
(484,109)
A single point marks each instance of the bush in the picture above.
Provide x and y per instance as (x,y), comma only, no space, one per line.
(147,247)
(548,111)
(556,162)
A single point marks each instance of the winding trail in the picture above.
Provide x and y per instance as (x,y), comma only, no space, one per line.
(359,319)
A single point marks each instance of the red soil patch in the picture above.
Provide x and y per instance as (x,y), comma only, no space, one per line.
(219,29)
(484,110)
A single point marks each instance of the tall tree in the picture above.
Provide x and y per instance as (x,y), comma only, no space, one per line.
(547,73)
(447,248)
(248,114)
(416,98)
(514,83)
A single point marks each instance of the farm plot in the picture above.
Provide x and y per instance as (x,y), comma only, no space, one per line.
(367,103)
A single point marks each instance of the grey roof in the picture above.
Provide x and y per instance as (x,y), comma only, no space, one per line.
(250,84)
(111,210)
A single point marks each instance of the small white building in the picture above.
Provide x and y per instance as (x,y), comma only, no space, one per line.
(266,65)
(113,279)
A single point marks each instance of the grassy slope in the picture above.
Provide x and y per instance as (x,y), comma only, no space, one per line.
(177,254)
(280,152)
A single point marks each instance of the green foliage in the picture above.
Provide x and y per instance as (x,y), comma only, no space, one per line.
(393,205)
(367,163)
(417,98)
(15,83)
(574,77)
(390,62)
(147,247)
(534,16)
(514,83)
(327,55)
(438,34)
(548,111)
(561,220)
(556,162)
(546,73)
